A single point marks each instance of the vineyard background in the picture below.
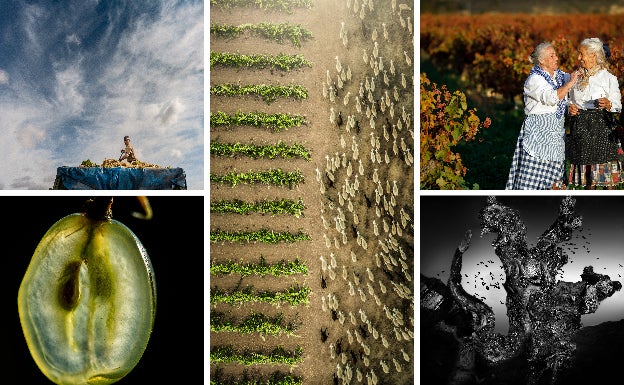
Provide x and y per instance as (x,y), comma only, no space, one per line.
(484,56)
(346,229)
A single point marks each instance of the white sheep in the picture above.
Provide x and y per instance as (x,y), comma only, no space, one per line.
(339,65)
(384,342)
(353,319)
(323,263)
(345,101)
(331,272)
(397,366)
(362,315)
(385,31)
(384,367)
(353,256)
(407,59)
(362,295)
(371,291)
(374,34)
(332,259)
(406,356)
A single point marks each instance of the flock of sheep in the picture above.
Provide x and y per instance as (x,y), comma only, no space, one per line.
(367,196)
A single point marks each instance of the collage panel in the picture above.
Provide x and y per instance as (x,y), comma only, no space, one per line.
(102,95)
(103,291)
(311,192)
(520,289)
(517,98)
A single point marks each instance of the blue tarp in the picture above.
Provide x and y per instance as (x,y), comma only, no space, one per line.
(119,178)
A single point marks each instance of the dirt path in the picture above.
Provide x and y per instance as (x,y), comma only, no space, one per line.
(324,139)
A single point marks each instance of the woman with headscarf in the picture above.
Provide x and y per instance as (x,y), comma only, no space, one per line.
(593,146)
(538,160)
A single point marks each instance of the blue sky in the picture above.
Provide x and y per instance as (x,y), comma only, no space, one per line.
(78,75)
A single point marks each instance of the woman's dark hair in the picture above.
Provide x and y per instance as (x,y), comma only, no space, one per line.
(607,50)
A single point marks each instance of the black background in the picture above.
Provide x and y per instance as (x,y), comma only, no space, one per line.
(174,240)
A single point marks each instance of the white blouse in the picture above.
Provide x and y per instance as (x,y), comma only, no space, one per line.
(539,95)
(602,84)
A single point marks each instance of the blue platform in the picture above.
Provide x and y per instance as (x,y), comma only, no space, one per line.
(119,178)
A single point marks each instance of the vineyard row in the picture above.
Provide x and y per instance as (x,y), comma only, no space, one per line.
(264,236)
(277,122)
(259,61)
(255,323)
(270,151)
(275,177)
(237,206)
(280,5)
(295,33)
(261,268)
(293,296)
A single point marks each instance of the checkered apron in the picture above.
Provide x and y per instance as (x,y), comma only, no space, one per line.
(538,160)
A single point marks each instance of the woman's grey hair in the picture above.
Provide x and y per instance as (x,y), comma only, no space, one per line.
(594,45)
(538,52)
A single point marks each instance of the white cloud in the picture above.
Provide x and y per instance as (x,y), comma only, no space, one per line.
(29,136)
(175,153)
(68,93)
(169,112)
(72,39)
(4,77)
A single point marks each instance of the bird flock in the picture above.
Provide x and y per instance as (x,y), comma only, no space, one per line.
(367,196)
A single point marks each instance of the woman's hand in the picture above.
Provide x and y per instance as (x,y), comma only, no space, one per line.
(573,109)
(603,103)
(574,76)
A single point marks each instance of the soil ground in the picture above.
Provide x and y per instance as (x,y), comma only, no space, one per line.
(324,140)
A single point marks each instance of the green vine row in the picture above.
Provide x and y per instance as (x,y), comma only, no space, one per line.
(259,61)
(275,177)
(237,206)
(264,236)
(277,122)
(261,268)
(293,296)
(271,31)
(276,378)
(255,323)
(280,5)
(279,355)
(270,151)
(269,93)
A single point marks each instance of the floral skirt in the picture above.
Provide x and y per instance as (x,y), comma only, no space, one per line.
(607,174)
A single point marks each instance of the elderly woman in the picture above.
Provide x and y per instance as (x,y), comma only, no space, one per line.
(538,160)
(593,147)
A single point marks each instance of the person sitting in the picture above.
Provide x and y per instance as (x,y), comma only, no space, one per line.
(128,152)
